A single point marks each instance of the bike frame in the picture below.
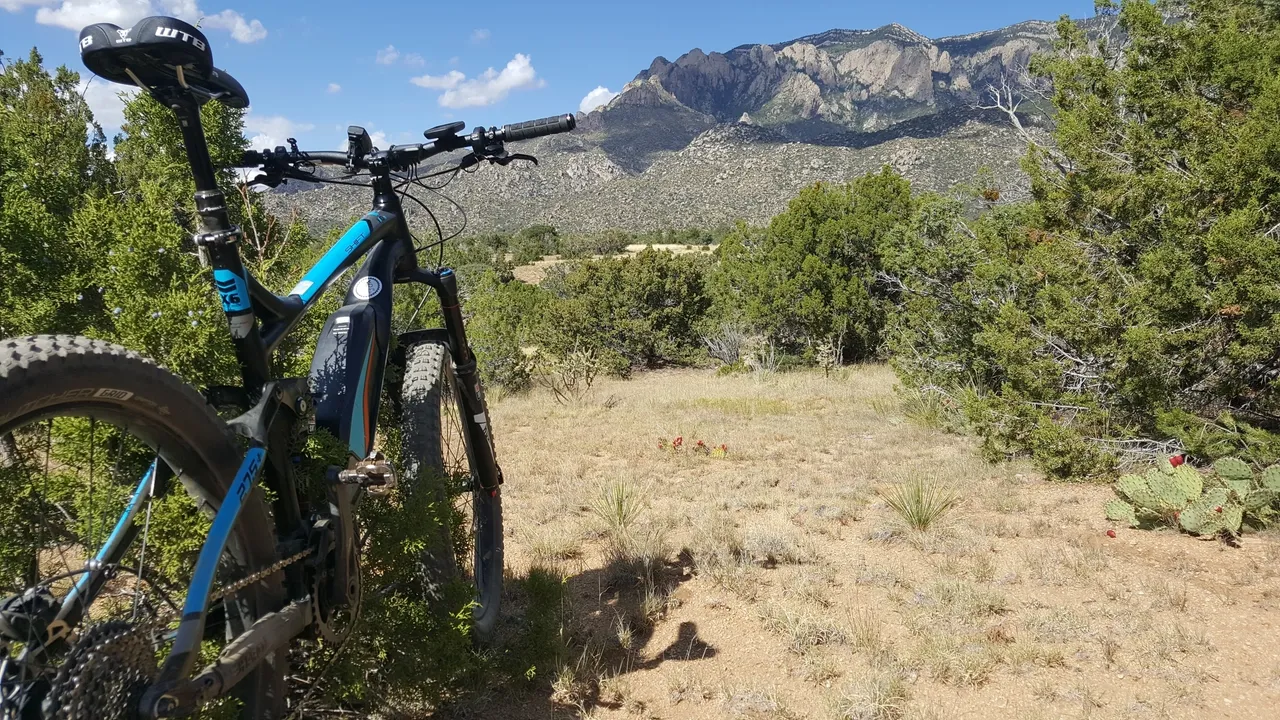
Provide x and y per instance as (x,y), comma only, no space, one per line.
(344,388)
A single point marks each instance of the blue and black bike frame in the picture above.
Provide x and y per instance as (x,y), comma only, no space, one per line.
(343,393)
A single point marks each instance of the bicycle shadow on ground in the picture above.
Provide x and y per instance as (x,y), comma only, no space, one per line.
(596,627)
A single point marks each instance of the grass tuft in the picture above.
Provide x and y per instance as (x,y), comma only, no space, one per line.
(921,502)
(876,697)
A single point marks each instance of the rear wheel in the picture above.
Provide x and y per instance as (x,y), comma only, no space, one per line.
(437,459)
(91,433)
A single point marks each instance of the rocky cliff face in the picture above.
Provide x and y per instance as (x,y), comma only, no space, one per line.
(861,80)
(716,137)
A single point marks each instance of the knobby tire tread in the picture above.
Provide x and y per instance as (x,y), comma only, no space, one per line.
(41,374)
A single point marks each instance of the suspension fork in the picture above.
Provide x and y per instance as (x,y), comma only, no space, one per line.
(465,371)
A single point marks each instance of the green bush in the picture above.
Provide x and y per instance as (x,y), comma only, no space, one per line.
(534,243)
(606,244)
(640,311)
(502,317)
(808,277)
(1130,307)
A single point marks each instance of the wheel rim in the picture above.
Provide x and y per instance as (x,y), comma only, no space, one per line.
(66,480)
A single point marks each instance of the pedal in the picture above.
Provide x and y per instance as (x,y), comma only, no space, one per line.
(373,473)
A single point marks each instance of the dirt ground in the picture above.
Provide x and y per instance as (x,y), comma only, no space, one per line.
(774,582)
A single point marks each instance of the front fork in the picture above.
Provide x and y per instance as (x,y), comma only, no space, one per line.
(471,395)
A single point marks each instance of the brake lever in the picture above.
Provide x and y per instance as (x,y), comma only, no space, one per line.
(508,159)
(269,179)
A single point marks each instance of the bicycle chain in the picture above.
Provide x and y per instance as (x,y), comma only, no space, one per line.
(112,664)
(245,582)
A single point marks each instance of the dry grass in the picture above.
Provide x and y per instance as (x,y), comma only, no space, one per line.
(880,696)
(802,629)
(774,583)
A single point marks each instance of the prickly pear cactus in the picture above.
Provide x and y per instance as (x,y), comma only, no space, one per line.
(1121,511)
(1185,484)
(1162,491)
(1215,512)
(1234,468)
(1271,478)
(1235,474)
(1135,488)
(1259,501)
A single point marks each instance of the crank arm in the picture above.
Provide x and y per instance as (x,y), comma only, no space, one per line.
(270,633)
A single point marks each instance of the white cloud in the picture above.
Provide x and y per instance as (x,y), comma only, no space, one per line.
(17,5)
(105,102)
(490,87)
(479,35)
(75,14)
(389,55)
(270,131)
(334,88)
(439,82)
(241,31)
(594,99)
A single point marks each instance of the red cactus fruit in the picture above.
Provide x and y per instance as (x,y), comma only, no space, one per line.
(1111,533)
(1177,460)
(1218,509)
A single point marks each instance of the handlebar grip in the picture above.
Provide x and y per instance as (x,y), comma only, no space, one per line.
(251,158)
(538,128)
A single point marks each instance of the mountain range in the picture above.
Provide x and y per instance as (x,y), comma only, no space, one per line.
(716,137)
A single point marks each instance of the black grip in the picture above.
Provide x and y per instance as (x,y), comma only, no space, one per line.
(538,128)
(251,158)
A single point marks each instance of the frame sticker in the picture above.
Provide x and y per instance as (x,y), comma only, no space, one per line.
(233,290)
(366,287)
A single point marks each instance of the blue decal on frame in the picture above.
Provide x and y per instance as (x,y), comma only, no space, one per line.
(233,290)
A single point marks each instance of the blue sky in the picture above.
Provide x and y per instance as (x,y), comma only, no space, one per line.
(399,67)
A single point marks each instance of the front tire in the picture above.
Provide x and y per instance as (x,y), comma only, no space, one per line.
(437,459)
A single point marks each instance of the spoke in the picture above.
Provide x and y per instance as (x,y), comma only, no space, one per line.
(142,554)
(93,428)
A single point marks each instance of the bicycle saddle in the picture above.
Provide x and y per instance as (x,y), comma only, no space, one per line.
(159,52)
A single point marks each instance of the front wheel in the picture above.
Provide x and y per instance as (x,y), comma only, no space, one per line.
(436,458)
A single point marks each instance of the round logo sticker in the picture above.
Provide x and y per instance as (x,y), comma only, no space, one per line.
(366,287)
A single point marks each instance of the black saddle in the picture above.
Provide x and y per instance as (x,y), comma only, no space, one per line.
(159,53)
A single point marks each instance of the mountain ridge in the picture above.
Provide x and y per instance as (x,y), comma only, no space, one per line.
(716,137)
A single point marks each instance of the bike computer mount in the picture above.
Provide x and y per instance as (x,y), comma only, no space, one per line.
(445,130)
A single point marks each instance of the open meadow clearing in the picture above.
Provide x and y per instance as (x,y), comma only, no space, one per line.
(776,581)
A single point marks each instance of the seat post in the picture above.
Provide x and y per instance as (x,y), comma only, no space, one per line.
(188,112)
(218,241)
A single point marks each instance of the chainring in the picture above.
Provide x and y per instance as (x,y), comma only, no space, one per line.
(104,675)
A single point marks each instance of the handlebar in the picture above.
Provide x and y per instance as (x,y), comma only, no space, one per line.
(538,128)
(399,157)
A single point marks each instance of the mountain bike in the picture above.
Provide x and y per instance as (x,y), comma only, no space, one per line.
(93,626)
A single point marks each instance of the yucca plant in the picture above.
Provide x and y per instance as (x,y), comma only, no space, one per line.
(921,502)
(618,506)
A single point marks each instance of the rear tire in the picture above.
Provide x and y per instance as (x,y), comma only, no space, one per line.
(437,459)
(50,376)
